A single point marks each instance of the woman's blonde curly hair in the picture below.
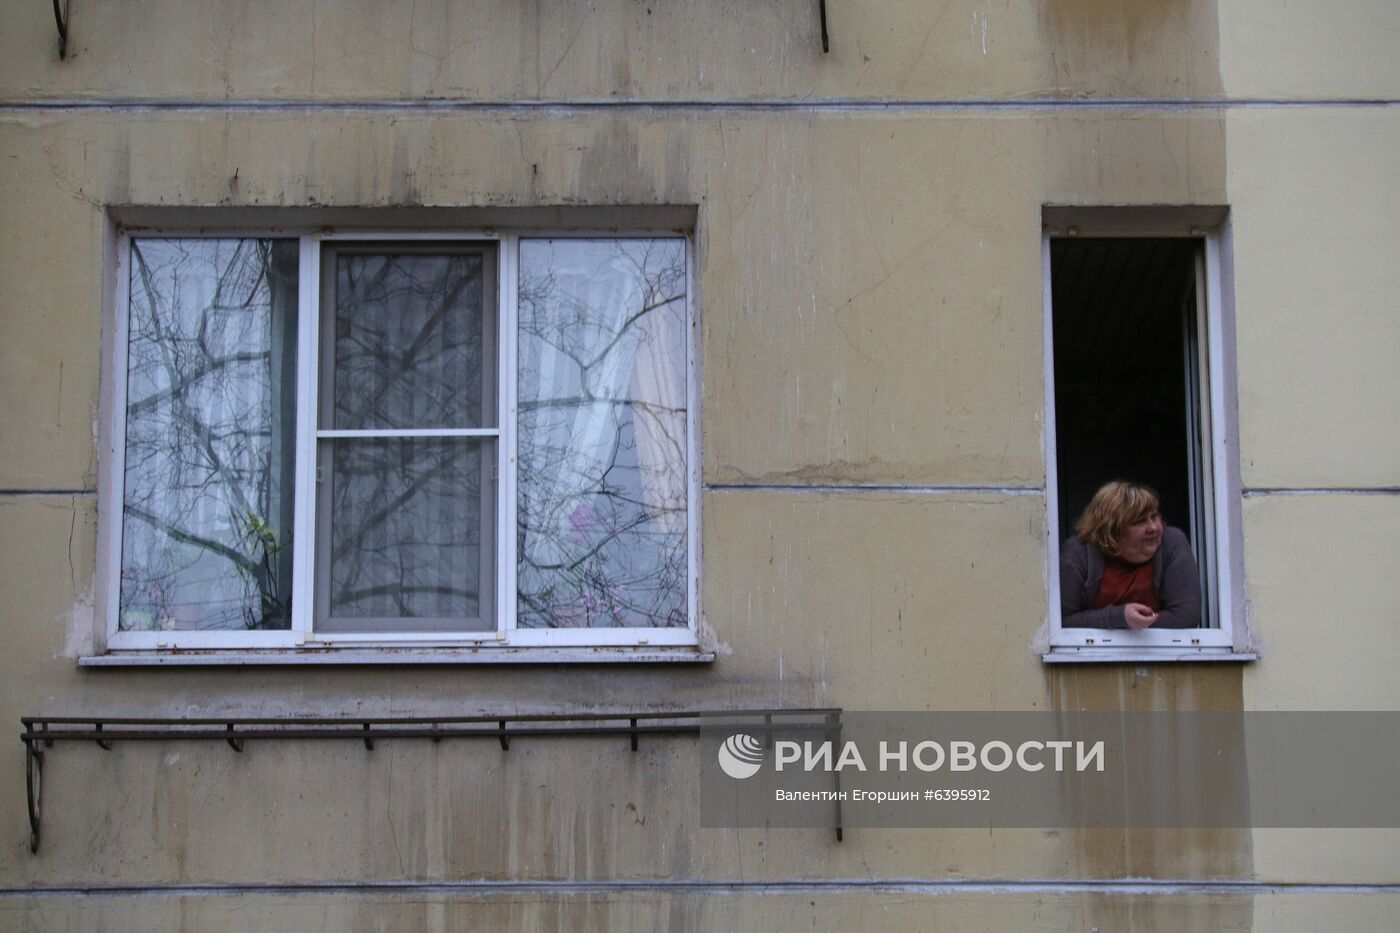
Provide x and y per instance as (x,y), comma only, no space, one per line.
(1115,506)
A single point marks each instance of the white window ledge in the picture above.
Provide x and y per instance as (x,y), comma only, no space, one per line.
(1151,655)
(601,654)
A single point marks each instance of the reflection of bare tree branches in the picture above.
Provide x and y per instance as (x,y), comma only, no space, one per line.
(210,435)
(580,401)
(402,594)
(151,401)
(602,465)
(210,345)
(170,346)
(405,514)
(585,365)
(404,519)
(408,347)
(185,537)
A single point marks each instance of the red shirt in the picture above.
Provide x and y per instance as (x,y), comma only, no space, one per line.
(1126,583)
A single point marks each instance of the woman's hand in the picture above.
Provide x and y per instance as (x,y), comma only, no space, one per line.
(1138,616)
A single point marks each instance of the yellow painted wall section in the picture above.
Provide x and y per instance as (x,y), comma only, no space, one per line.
(615,50)
(1310,51)
(1315,196)
(1325,612)
(709,911)
(436,912)
(896,318)
(909,307)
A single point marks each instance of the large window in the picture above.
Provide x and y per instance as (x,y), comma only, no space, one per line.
(350,440)
(1137,388)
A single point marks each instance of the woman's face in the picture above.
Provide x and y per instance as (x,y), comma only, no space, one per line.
(1141,539)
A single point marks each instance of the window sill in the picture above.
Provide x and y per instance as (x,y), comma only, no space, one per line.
(1065,654)
(600,654)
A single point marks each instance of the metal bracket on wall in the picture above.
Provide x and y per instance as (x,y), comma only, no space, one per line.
(33,785)
(60,17)
(106,731)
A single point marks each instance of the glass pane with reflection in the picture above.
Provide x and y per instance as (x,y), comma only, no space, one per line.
(210,435)
(602,478)
(408,345)
(407,527)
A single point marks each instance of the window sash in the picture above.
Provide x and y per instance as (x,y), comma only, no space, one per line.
(1225,601)
(214,368)
(479,442)
(302,633)
(601,424)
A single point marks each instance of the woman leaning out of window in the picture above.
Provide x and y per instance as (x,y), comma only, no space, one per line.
(1124,569)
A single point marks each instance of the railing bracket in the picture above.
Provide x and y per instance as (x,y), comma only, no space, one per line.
(60,16)
(34,787)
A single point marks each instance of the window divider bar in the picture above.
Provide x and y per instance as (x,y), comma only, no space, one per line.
(113,482)
(304,522)
(1201,435)
(508,337)
(329,433)
(692,439)
(450,236)
(444,638)
(1231,619)
(1052,471)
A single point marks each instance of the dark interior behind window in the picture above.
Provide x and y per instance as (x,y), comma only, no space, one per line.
(1128,375)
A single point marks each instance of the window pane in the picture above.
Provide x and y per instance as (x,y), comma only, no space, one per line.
(210,435)
(407,528)
(602,433)
(409,342)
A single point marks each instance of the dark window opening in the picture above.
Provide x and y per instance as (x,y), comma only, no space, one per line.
(1130,397)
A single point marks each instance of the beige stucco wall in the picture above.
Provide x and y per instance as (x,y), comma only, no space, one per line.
(992,911)
(918,334)
(1314,197)
(1309,51)
(657,911)
(871,311)
(616,50)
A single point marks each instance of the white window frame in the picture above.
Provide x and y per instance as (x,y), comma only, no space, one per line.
(507,642)
(1227,639)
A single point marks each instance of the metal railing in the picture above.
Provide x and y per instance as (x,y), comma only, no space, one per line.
(42,732)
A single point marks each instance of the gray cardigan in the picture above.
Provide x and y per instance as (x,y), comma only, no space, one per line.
(1174,577)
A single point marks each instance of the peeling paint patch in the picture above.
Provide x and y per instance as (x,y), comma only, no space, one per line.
(79,626)
(979,27)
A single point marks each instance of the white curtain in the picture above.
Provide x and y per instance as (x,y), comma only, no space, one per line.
(602,438)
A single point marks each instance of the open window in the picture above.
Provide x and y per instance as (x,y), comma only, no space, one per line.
(1137,378)
(358,441)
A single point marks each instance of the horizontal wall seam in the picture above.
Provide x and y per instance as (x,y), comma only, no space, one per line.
(1250,492)
(48,492)
(594,888)
(565,107)
(886,488)
(1253,491)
